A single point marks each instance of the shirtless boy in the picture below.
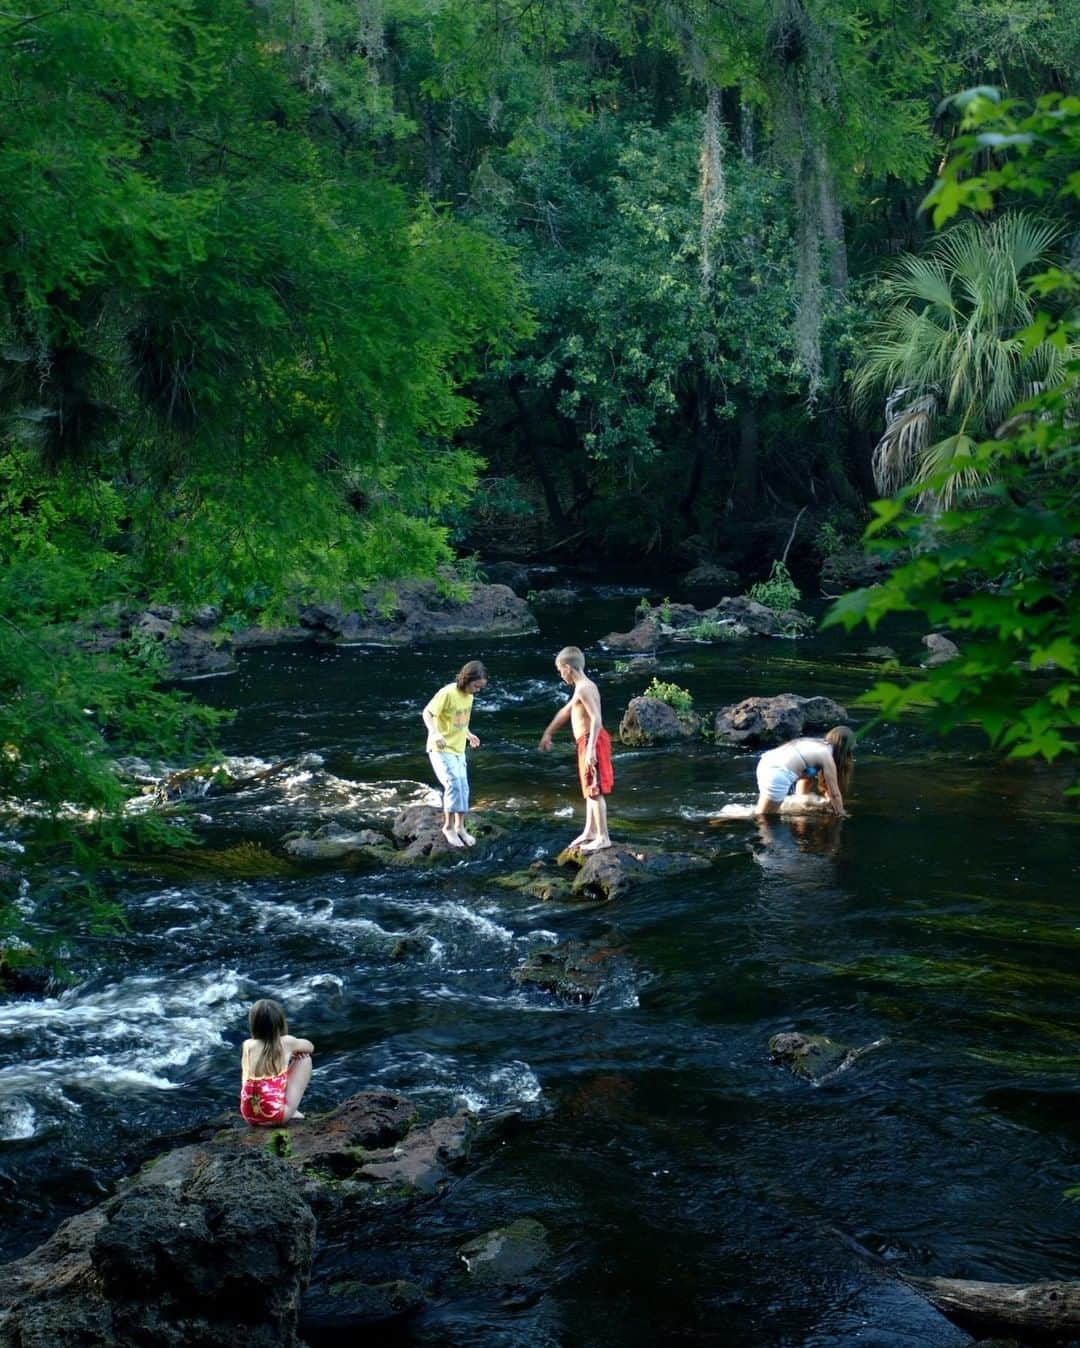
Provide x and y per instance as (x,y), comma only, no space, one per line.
(593,745)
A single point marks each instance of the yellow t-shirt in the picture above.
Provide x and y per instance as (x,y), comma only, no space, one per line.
(450,708)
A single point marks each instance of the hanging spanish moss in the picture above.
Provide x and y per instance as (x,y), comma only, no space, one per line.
(713,181)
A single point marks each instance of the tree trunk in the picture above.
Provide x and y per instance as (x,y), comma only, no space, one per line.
(1046,1309)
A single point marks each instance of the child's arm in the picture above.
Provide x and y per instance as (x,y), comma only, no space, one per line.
(293,1046)
(434,739)
(557,721)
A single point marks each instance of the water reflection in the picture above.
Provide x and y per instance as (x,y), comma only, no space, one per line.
(800,854)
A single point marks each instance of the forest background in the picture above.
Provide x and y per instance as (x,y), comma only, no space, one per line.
(299,295)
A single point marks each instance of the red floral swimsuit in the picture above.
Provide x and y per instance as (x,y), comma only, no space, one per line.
(262,1099)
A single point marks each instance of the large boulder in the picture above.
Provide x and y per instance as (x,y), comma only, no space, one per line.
(212,1244)
(219,1255)
(647,720)
(764,721)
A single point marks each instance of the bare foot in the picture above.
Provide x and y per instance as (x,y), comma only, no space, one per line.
(452,838)
(466,838)
(581,838)
(297,1115)
(597,845)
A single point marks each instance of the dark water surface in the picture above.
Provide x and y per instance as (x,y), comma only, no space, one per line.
(695,1193)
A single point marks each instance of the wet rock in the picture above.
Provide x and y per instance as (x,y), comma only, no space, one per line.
(352,1304)
(672,623)
(940,650)
(418,833)
(880,653)
(190,652)
(647,720)
(604,875)
(773,720)
(572,971)
(539,883)
(334,843)
(814,1057)
(509,1254)
(422,611)
(211,1244)
(194,1261)
(252,637)
(759,619)
(644,636)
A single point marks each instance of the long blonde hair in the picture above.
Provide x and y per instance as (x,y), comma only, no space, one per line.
(267,1023)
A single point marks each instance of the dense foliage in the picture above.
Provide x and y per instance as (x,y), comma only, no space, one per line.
(1001,567)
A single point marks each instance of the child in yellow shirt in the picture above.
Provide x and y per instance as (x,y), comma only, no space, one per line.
(447,719)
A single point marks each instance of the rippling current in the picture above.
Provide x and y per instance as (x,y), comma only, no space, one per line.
(694,1191)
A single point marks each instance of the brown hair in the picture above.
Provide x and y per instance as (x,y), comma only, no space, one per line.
(841,739)
(469,673)
(267,1023)
(572,656)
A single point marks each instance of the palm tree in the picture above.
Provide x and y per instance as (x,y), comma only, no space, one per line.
(949,350)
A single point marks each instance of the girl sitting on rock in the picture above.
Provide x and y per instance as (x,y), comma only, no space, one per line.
(275,1068)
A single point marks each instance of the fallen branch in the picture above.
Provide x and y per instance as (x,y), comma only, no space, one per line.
(1043,1310)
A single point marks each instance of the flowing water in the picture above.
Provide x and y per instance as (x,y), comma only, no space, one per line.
(694,1191)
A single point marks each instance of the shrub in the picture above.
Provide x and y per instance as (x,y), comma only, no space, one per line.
(677,698)
(778,592)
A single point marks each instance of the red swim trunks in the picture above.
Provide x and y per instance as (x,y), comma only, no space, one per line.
(262,1100)
(596,781)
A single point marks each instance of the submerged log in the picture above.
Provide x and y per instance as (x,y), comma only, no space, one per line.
(1038,1310)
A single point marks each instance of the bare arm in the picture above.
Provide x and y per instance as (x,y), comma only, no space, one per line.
(832,785)
(293,1046)
(556,723)
(434,739)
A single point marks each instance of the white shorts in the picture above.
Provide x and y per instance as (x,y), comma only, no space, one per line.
(774,778)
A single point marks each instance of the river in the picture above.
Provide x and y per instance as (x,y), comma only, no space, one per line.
(694,1191)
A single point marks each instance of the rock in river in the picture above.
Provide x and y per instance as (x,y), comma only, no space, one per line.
(762,721)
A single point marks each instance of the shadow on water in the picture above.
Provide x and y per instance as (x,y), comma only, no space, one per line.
(694,1191)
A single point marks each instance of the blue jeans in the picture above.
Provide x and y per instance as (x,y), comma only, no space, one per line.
(453,778)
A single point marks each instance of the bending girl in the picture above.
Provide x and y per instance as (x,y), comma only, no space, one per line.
(821,766)
(275,1068)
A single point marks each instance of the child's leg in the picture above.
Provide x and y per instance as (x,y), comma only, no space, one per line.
(600,838)
(589,831)
(297,1084)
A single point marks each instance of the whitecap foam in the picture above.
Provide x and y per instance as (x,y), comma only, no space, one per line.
(18,1120)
